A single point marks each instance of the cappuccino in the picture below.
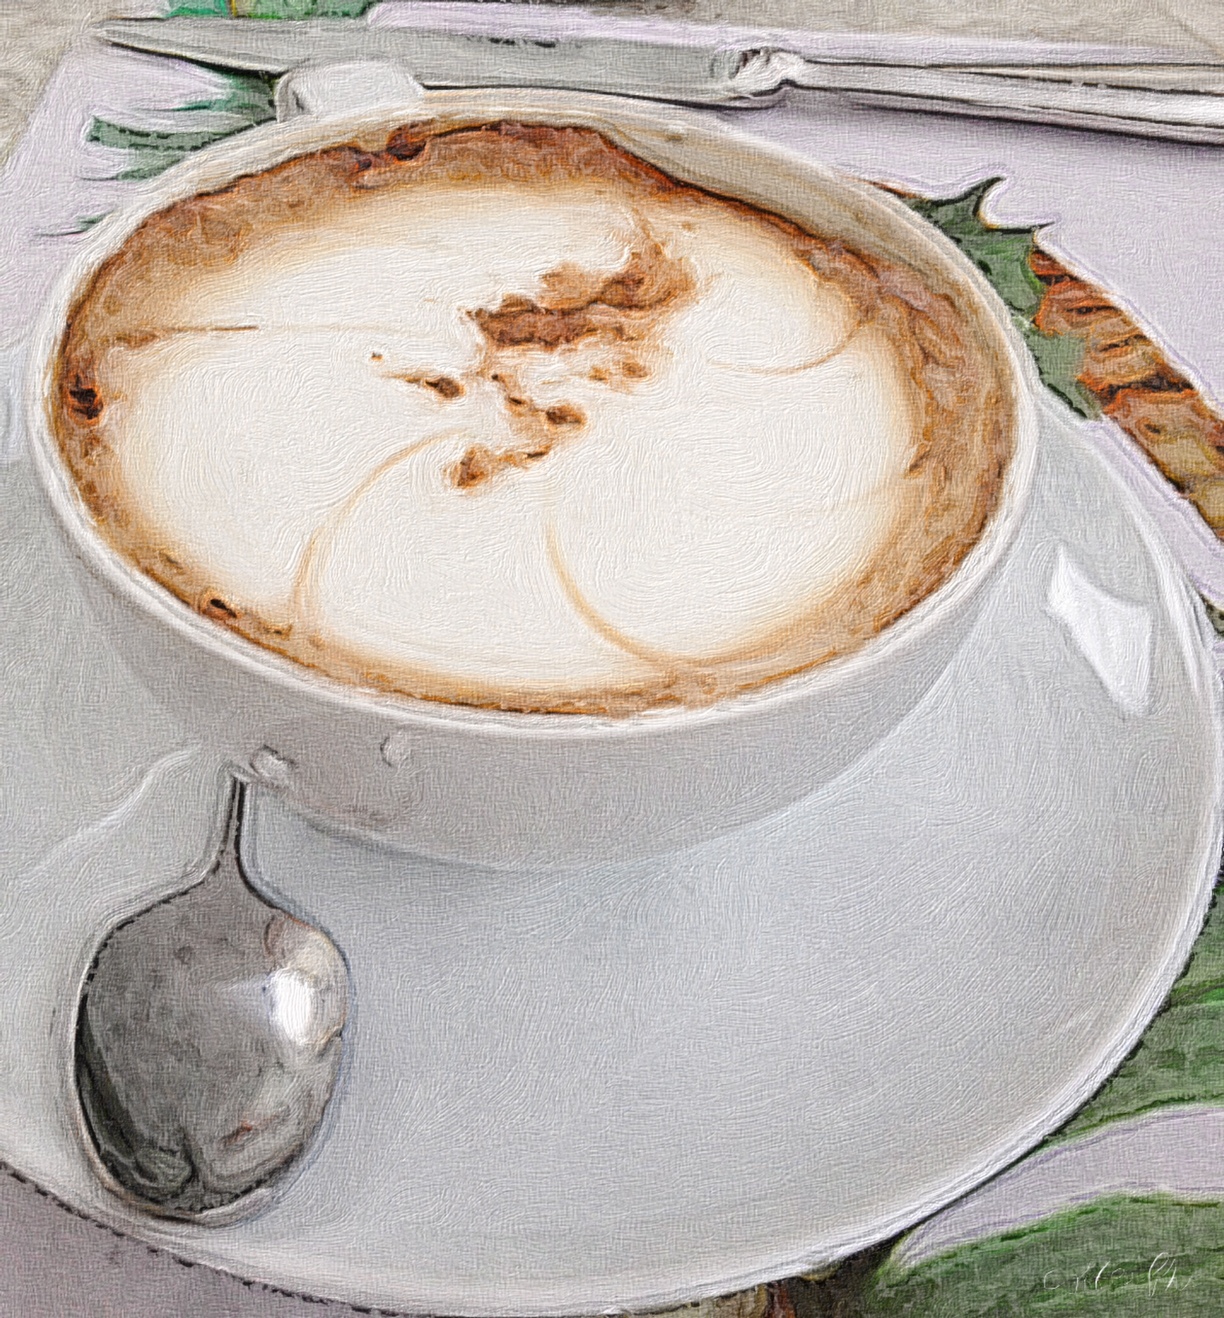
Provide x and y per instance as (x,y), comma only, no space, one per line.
(503,416)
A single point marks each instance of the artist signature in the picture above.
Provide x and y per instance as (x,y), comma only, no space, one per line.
(1160,1274)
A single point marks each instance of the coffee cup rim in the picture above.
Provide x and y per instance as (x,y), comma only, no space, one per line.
(659,134)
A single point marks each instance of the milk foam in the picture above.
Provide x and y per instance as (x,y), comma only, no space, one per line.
(297,425)
(504,416)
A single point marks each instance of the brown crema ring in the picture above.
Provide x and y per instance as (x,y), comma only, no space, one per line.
(963,397)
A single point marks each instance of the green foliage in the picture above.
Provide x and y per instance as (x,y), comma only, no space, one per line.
(1203,978)
(199,9)
(1117,1257)
(249,95)
(1059,359)
(1002,255)
(1215,616)
(246,101)
(80,225)
(270,8)
(1180,1058)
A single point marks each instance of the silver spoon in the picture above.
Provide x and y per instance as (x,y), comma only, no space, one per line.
(208,1042)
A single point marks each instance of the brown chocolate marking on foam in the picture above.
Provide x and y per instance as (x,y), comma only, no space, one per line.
(217,606)
(669,663)
(821,359)
(476,466)
(480,463)
(84,399)
(143,340)
(564,414)
(303,578)
(961,401)
(445,386)
(543,428)
(576,304)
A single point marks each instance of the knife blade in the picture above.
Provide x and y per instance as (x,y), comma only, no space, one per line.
(438,58)
(1183,102)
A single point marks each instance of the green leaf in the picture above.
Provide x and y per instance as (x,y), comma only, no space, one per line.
(155,140)
(1180,1058)
(1059,358)
(1203,976)
(199,9)
(292,9)
(1003,256)
(1118,1257)
(82,224)
(959,217)
(247,100)
(149,164)
(251,95)
(1215,616)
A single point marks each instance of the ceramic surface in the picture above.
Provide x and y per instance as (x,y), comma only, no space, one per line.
(511,789)
(636,1083)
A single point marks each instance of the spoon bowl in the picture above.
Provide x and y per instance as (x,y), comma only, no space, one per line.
(208,1042)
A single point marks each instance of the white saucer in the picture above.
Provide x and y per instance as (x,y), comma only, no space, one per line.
(574,1091)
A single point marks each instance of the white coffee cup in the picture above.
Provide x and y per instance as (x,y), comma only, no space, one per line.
(504,788)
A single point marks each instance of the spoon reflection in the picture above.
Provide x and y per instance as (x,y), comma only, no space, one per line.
(208,1042)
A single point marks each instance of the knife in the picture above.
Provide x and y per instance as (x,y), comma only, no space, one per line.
(1180,102)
